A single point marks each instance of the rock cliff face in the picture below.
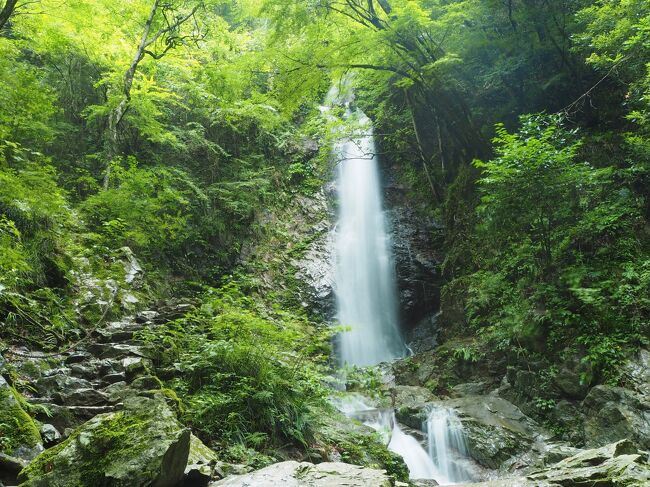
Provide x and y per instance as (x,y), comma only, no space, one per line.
(416,260)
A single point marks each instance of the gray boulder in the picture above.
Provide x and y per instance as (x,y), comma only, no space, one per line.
(60,383)
(295,474)
(201,464)
(86,396)
(615,464)
(50,434)
(497,433)
(133,273)
(142,445)
(616,413)
(496,430)
(570,383)
(636,373)
(410,396)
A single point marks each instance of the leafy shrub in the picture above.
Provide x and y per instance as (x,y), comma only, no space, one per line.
(168,219)
(34,250)
(563,249)
(248,377)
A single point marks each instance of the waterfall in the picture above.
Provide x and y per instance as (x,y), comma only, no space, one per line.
(365,277)
(447,446)
(366,300)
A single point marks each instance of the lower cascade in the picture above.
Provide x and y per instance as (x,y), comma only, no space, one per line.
(445,459)
(417,460)
(447,446)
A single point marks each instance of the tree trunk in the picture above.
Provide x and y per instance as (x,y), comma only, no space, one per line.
(6,12)
(418,141)
(116,115)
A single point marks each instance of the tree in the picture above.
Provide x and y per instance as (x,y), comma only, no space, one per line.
(161,32)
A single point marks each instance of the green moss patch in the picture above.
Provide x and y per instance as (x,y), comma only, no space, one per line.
(17,428)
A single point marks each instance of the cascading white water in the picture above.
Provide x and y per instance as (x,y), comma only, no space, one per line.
(416,458)
(447,446)
(365,278)
(383,421)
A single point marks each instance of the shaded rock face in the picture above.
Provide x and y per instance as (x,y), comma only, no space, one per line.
(417,248)
(416,261)
(295,474)
(423,337)
(615,413)
(142,445)
(588,416)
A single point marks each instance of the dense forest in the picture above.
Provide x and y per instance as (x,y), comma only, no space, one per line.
(169,311)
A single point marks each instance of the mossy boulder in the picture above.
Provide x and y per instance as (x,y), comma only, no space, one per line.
(343,439)
(19,435)
(200,464)
(142,445)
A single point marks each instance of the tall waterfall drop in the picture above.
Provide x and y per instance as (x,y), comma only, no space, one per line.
(365,277)
(366,300)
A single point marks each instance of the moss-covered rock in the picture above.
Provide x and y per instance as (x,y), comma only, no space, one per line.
(19,435)
(343,439)
(200,464)
(143,444)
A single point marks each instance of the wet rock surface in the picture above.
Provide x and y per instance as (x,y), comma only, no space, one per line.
(497,433)
(417,246)
(295,474)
